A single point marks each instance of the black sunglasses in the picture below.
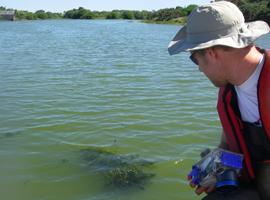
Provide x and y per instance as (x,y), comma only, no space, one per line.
(193,59)
(192,56)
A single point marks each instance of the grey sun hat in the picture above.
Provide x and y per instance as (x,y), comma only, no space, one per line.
(217,23)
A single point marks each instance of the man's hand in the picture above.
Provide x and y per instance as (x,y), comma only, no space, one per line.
(200,189)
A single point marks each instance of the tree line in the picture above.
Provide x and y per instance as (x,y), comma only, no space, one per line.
(252,10)
(82,13)
(40,14)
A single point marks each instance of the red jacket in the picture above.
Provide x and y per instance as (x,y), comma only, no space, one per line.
(230,117)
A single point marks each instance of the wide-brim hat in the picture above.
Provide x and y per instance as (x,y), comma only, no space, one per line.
(217,23)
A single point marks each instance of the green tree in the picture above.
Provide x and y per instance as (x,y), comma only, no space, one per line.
(69,14)
(127,14)
(146,14)
(80,13)
(30,16)
(113,15)
(87,15)
(137,15)
(186,11)
(41,14)
(51,15)
(254,10)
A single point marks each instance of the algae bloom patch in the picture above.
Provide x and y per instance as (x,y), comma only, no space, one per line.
(118,171)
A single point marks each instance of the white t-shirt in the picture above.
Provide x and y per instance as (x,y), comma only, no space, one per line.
(247,96)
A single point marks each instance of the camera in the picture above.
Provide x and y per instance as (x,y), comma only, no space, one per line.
(218,167)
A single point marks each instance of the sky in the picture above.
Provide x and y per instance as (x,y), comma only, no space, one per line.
(98,5)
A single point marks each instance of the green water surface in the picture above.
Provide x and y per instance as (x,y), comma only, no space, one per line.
(68,85)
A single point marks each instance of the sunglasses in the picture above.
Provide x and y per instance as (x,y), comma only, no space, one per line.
(193,59)
(192,56)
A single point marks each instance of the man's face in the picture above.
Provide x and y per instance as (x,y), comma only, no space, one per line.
(210,65)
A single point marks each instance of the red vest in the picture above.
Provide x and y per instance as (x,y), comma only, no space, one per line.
(230,117)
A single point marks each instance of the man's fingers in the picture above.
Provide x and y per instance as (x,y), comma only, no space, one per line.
(210,189)
(192,185)
(200,190)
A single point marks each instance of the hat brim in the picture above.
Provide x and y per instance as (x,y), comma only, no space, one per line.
(240,39)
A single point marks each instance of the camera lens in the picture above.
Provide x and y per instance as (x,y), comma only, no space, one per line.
(227,180)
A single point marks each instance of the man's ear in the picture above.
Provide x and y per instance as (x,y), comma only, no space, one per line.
(213,53)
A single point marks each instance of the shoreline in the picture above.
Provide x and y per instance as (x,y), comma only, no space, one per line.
(173,21)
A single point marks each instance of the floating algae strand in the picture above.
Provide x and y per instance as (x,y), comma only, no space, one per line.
(119,171)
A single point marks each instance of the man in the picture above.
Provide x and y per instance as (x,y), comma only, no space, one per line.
(221,44)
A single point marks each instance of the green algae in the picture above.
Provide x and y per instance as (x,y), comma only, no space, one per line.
(118,171)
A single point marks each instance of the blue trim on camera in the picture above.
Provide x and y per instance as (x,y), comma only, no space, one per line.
(227,183)
(231,160)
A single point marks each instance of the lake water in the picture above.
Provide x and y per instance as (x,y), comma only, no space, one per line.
(68,85)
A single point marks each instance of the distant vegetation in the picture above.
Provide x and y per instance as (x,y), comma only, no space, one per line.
(255,9)
(163,15)
(40,14)
(252,9)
